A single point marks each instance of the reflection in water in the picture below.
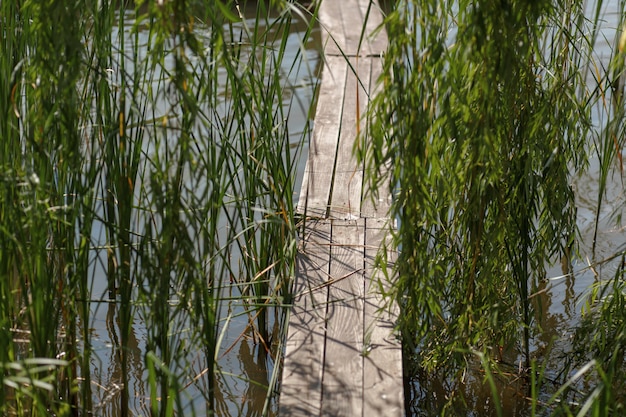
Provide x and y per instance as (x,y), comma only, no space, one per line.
(557,303)
(429,395)
(255,373)
(115,392)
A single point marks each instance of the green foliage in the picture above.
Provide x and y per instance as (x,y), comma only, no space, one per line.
(485,120)
(601,339)
(482,123)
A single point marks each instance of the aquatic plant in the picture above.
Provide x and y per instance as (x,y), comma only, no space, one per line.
(145,144)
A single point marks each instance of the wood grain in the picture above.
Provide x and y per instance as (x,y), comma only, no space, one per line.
(343,363)
(342,358)
(304,352)
(345,202)
(375,205)
(382,383)
(319,170)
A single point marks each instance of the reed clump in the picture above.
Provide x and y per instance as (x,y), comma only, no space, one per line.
(147,170)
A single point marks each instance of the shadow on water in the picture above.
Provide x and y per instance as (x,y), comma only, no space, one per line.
(558,302)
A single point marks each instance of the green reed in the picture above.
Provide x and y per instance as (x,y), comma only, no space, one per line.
(136,145)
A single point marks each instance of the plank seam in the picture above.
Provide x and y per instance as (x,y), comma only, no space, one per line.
(337,147)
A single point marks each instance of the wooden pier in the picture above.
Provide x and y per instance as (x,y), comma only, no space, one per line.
(342,358)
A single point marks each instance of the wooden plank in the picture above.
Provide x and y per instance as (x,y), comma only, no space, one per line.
(350,28)
(353,26)
(361,35)
(332,27)
(383,384)
(341,357)
(338,79)
(319,170)
(342,388)
(379,204)
(376,37)
(345,202)
(304,353)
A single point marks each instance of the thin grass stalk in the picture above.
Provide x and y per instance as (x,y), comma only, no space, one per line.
(208,290)
(167,254)
(47,209)
(100,125)
(262,169)
(118,201)
(13,46)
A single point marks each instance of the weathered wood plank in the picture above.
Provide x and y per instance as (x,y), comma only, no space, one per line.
(349,27)
(343,365)
(332,27)
(382,383)
(319,170)
(341,357)
(377,40)
(354,24)
(378,205)
(337,110)
(345,202)
(304,354)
